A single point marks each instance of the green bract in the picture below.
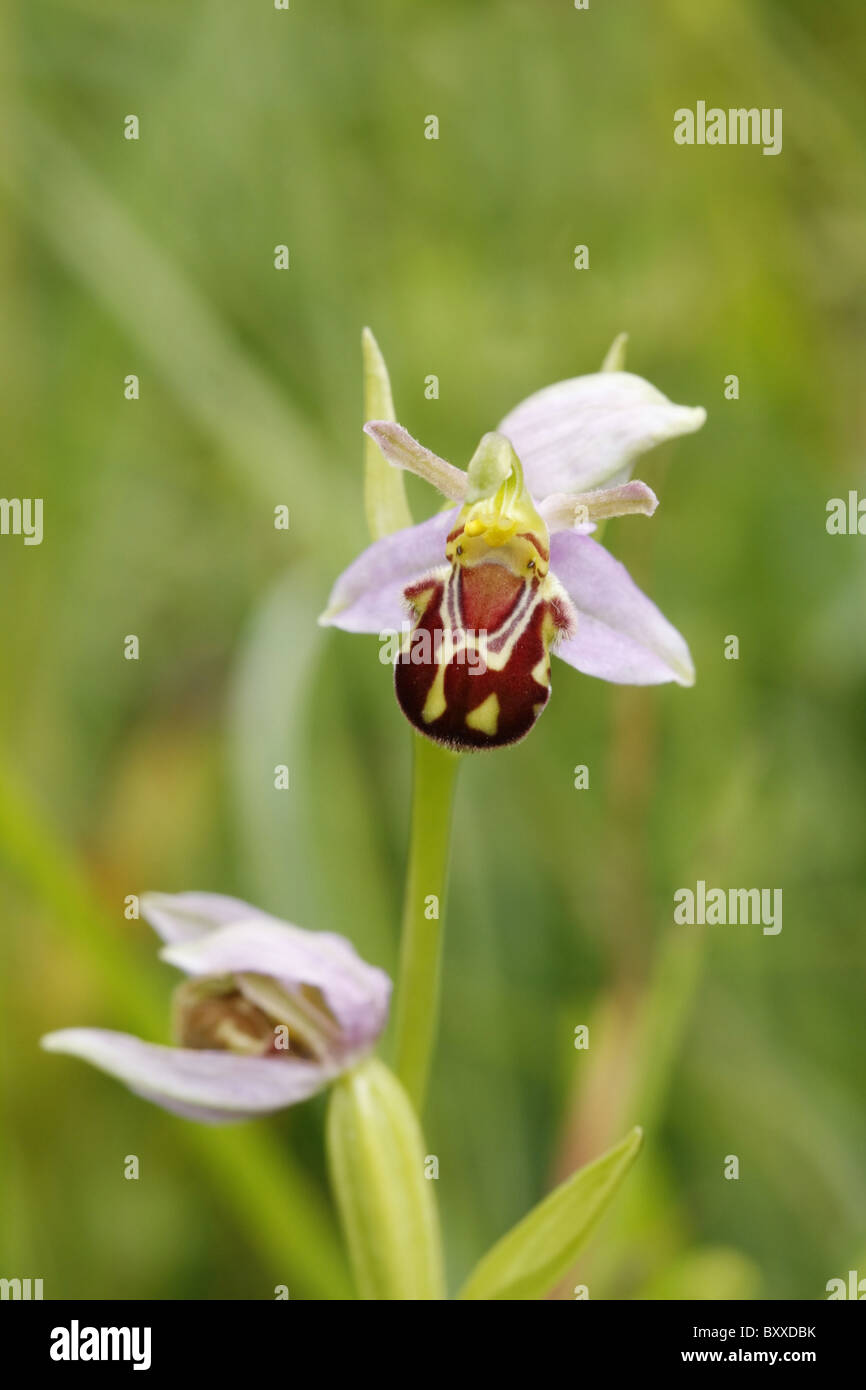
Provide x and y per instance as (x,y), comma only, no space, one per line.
(388,1208)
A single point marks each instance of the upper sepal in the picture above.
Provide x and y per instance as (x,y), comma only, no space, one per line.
(587,432)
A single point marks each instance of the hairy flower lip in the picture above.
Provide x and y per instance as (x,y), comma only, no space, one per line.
(282,970)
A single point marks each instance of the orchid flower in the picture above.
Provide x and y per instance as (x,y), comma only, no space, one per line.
(269,1013)
(509,572)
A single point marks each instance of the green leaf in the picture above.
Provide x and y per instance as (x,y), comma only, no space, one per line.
(534,1255)
(384,489)
(387,1204)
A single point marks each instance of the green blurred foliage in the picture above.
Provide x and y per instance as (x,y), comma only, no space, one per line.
(306,127)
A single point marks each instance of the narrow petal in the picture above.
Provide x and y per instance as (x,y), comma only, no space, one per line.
(568,511)
(621,636)
(582,433)
(402,451)
(212,1086)
(356,993)
(368,596)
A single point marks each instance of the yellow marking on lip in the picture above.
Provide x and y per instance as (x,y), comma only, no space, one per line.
(435,705)
(541,671)
(485,717)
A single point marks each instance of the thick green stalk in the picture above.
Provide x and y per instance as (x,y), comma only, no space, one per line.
(434,774)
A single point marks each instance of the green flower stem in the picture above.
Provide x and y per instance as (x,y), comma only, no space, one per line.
(434,774)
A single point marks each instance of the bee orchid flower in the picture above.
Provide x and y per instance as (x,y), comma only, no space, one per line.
(509,572)
(268,1015)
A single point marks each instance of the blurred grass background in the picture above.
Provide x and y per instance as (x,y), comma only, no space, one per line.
(306,127)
